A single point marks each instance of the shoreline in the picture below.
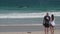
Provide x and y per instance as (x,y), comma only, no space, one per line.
(24,25)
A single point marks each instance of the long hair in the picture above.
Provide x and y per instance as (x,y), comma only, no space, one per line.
(52,16)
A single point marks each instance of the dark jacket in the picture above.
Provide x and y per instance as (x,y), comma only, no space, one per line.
(46,20)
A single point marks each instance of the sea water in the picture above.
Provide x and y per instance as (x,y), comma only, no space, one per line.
(27,11)
(25,15)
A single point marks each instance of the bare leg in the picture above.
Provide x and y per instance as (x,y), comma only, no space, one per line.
(51,29)
(47,30)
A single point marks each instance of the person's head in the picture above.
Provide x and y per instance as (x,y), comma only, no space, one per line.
(52,16)
(47,14)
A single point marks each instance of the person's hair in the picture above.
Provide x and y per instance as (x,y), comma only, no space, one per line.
(52,16)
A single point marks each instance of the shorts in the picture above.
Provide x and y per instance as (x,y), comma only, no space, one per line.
(46,25)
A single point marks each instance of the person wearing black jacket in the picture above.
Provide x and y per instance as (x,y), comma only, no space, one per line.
(46,22)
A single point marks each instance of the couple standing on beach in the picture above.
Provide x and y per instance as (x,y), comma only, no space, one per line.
(49,22)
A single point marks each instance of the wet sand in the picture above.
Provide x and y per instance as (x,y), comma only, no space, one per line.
(35,32)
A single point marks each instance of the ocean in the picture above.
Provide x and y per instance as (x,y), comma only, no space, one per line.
(27,11)
(17,12)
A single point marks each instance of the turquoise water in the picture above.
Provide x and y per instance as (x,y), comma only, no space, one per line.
(25,6)
(28,8)
(18,8)
(27,11)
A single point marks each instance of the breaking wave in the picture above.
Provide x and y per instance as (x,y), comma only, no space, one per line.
(27,15)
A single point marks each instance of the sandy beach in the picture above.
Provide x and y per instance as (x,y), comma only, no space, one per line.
(32,26)
(25,30)
(36,32)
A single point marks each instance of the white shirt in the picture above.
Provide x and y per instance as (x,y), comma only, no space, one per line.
(53,23)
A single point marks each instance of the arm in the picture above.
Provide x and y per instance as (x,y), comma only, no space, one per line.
(43,20)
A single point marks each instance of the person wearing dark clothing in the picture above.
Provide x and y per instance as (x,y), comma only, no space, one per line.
(46,22)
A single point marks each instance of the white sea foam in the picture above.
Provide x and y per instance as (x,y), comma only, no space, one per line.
(27,15)
(20,24)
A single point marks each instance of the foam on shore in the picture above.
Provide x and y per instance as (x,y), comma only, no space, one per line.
(27,15)
(24,25)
